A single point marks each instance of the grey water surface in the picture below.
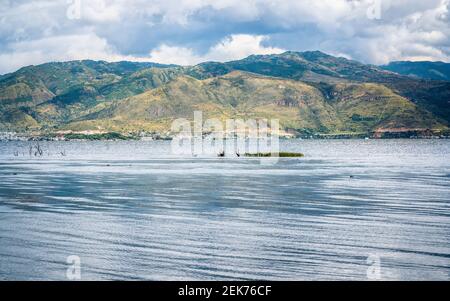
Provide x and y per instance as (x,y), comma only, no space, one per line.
(131,210)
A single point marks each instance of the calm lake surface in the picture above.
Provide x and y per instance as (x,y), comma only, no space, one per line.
(130,210)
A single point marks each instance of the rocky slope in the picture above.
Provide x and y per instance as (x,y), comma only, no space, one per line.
(310,93)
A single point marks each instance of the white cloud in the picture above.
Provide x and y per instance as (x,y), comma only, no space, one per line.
(187,31)
(165,54)
(90,46)
(233,47)
(100,11)
(240,46)
(59,48)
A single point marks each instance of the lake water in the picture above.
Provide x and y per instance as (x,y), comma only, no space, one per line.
(130,210)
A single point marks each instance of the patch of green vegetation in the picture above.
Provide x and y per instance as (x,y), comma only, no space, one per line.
(279,155)
(106,136)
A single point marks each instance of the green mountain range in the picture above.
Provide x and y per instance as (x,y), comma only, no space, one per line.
(309,92)
(425,70)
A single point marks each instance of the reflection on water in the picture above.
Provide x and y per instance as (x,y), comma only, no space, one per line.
(130,210)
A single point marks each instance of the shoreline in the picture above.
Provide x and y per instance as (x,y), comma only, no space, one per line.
(401,133)
(52,139)
(285,134)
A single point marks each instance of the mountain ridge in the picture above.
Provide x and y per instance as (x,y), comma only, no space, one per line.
(423,69)
(322,94)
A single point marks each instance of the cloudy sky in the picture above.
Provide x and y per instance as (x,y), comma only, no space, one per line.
(190,31)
